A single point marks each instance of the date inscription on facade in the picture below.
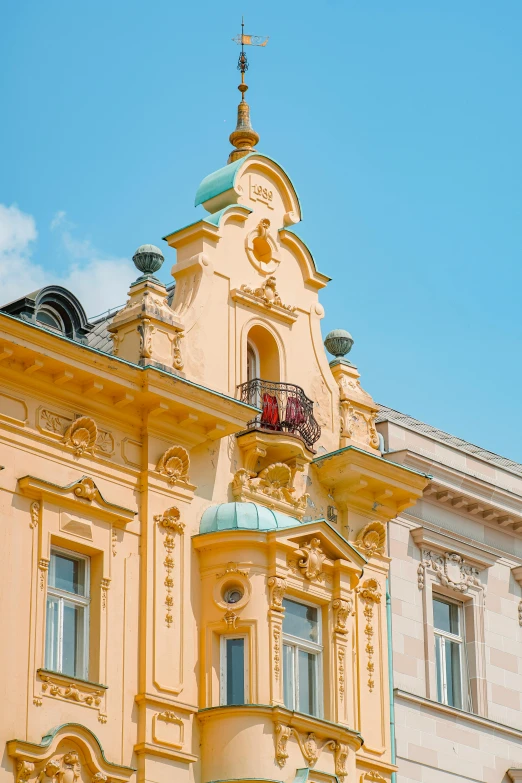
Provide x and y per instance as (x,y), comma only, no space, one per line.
(259,192)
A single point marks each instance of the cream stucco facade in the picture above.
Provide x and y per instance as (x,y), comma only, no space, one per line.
(180,483)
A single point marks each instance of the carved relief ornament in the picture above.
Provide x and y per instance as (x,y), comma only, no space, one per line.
(174,464)
(74,435)
(277,586)
(50,762)
(267,295)
(450,569)
(272,487)
(342,609)
(81,436)
(311,559)
(372,539)
(310,748)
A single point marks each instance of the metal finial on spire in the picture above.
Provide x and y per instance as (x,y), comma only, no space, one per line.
(244,138)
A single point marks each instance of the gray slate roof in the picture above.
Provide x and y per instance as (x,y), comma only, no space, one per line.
(388,414)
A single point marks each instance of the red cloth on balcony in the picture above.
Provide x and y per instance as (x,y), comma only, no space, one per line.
(270,414)
(295,414)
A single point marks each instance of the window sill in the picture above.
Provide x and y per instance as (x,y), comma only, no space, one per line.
(456,713)
(68,678)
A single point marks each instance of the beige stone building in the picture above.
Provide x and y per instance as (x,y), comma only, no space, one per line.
(456,576)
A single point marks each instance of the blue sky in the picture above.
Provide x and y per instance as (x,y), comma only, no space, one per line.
(398,121)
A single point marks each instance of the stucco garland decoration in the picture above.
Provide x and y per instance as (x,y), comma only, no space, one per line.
(43,565)
(73,692)
(520,613)
(372,539)
(81,436)
(277,586)
(267,294)
(35,514)
(105,584)
(174,464)
(341,654)
(450,569)
(277,651)
(311,559)
(170,522)
(370,593)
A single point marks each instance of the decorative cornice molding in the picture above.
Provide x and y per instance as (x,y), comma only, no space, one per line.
(443,542)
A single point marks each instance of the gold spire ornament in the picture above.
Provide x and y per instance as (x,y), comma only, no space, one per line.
(244,138)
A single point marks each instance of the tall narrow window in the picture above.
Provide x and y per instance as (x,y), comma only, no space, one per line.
(252,363)
(449,648)
(67,621)
(233,670)
(302,657)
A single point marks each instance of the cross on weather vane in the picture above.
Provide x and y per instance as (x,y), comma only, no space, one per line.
(247,40)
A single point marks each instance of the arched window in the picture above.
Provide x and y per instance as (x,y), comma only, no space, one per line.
(263,355)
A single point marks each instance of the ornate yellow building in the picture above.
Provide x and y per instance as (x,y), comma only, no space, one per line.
(193,512)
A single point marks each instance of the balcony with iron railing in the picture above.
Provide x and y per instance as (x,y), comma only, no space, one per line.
(285,408)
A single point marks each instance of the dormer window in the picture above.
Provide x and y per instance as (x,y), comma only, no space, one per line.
(50,319)
(53,308)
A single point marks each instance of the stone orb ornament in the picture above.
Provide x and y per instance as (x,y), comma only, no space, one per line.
(148,259)
(338,342)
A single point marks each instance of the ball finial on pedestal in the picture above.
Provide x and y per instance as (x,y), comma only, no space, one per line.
(338,342)
(148,259)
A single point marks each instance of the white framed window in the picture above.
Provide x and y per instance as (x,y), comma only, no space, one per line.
(448,629)
(67,615)
(302,658)
(234,669)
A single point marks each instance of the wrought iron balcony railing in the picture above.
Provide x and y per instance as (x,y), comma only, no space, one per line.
(284,408)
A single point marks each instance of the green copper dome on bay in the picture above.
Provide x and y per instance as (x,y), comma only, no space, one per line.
(244,516)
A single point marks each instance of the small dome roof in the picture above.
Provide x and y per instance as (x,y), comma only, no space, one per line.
(243,516)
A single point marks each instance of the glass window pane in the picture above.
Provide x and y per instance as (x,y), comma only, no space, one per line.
(288,676)
(73,640)
(51,634)
(301,620)
(446,616)
(67,573)
(235,652)
(438,666)
(307,682)
(453,674)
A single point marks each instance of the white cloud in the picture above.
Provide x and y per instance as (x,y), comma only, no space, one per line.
(99,282)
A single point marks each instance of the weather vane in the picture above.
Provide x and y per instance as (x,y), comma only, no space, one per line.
(247,40)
